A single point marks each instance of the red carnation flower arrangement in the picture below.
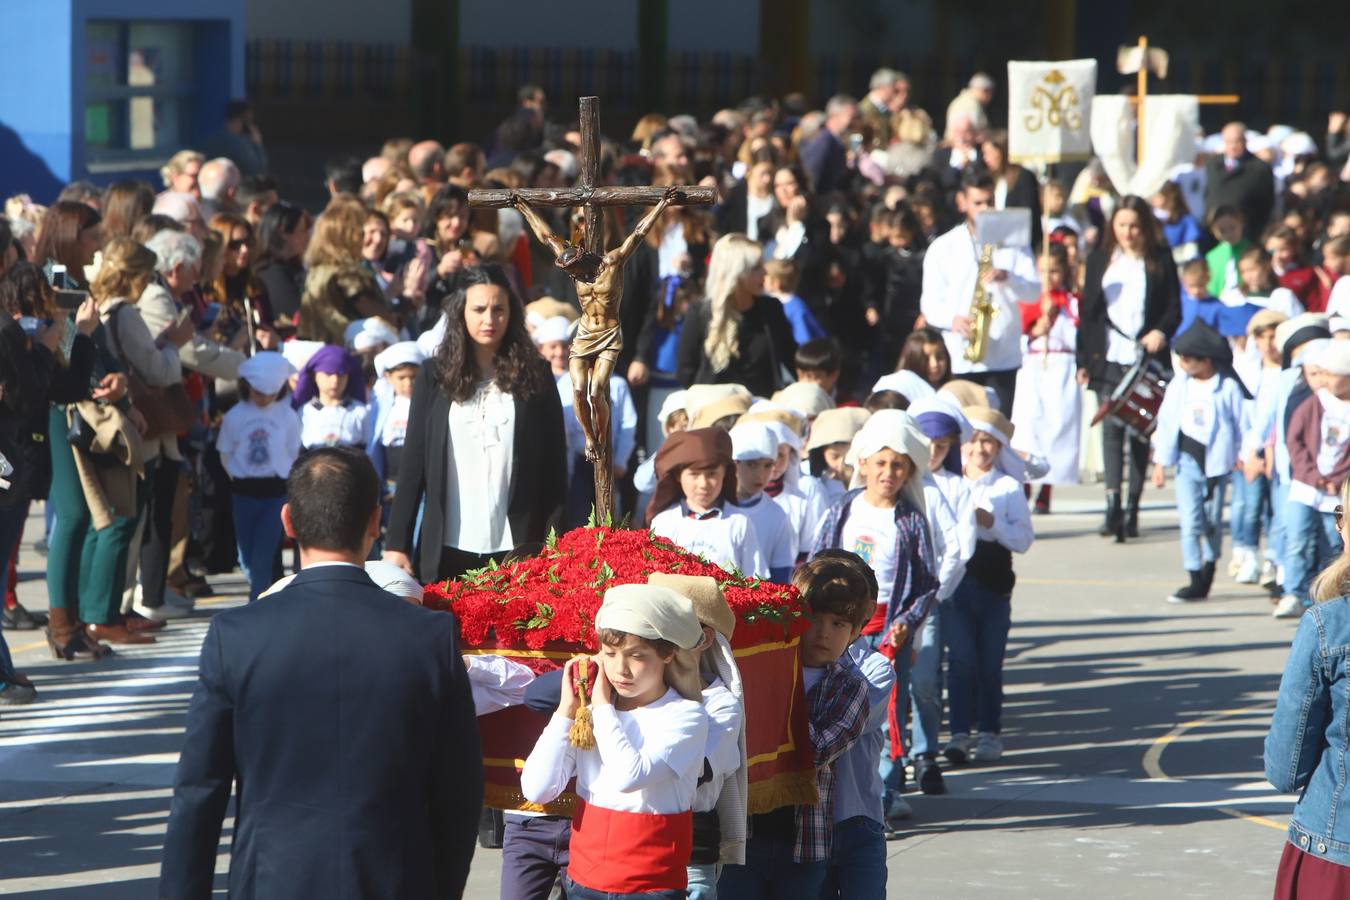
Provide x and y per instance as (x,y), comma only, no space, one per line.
(552,598)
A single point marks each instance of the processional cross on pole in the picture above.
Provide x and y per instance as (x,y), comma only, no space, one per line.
(1141,60)
(598,276)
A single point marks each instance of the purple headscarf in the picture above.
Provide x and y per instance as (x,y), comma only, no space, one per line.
(331,360)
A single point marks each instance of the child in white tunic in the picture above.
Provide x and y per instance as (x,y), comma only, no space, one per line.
(331,397)
(754,446)
(694,502)
(258,443)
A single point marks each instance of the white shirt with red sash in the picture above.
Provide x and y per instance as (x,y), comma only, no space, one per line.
(633,829)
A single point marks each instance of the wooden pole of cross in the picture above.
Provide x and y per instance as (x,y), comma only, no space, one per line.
(1155,61)
(599,280)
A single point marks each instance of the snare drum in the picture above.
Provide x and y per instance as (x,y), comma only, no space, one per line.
(1136,400)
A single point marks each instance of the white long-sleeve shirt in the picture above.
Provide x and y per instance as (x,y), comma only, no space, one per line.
(778,540)
(725,536)
(950,268)
(1001,494)
(946,540)
(726,719)
(645,760)
(496,682)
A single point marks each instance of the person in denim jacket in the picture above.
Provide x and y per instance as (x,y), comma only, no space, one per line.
(1309,737)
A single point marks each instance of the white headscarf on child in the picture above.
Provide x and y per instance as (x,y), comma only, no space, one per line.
(657,614)
(753,440)
(891,429)
(994,423)
(404,353)
(1333,357)
(907,384)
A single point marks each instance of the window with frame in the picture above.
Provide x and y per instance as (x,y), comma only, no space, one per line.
(138,90)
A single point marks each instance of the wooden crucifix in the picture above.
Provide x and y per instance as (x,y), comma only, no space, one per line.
(598,276)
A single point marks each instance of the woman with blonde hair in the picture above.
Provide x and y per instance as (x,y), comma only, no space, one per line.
(1309,740)
(180,172)
(736,335)
(337,234)
(128,268)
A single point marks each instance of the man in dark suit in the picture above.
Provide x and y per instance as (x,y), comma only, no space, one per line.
(344,715)
(824,157)
(1237,178)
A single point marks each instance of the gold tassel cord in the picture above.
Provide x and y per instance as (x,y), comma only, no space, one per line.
(582,732)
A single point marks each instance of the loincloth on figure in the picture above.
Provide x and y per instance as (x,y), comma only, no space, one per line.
(603,344)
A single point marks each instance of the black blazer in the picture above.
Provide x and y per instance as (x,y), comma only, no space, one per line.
(538,472)
(1162,311)
(1250,187)
(360,780)
(764,338)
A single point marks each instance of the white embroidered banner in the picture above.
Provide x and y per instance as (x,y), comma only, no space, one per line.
(1170,122)
(1048,110)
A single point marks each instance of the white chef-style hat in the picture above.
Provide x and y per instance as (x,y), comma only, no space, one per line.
(266,372)
(404,353)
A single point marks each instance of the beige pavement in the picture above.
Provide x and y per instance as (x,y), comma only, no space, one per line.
(1133,731)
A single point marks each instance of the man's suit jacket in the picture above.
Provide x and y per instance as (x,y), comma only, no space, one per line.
(1250,187)
(344,716)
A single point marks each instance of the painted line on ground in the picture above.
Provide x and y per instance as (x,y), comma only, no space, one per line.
(1153,760)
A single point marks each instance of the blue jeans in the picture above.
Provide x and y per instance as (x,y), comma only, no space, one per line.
(925,687)
(257,533)
(576,891)
(975,633)
(1279,496)
(770,874)
(1200,505)
(703,882)
(1311,542)
(1250,512)
(857,861)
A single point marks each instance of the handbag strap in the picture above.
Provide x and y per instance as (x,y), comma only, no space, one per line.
(116,331)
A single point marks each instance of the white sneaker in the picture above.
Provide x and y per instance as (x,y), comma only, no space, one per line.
(1270,574)
(162,613)
(988,747)
(1237,561)
(1250,571)
(898,809)
(957,750)
(1289,607)
(173,598)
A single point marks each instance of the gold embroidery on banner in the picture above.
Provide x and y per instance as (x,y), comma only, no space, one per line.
(1054,103)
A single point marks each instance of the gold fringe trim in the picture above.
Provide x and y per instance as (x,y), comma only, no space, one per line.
(510,799)
(786,789)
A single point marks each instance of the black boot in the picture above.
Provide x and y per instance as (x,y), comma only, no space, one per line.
(1112,524)
(1207,577)
(1198,589)
(1132,517)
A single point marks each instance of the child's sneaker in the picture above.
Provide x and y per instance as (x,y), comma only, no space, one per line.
(1289,607)
(1236,561)
(1270,575)
(1250,571)
(898,809)
(957,750)
(988,747)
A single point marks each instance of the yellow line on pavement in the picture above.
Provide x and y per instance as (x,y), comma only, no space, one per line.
(1153,760)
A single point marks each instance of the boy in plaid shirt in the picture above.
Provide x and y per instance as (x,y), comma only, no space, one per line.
(788,853)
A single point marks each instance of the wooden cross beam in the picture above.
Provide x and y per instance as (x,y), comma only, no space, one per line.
(586,194)
(1147,61)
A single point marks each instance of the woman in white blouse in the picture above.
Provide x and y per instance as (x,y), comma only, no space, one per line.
(485,445)
(1131,305)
